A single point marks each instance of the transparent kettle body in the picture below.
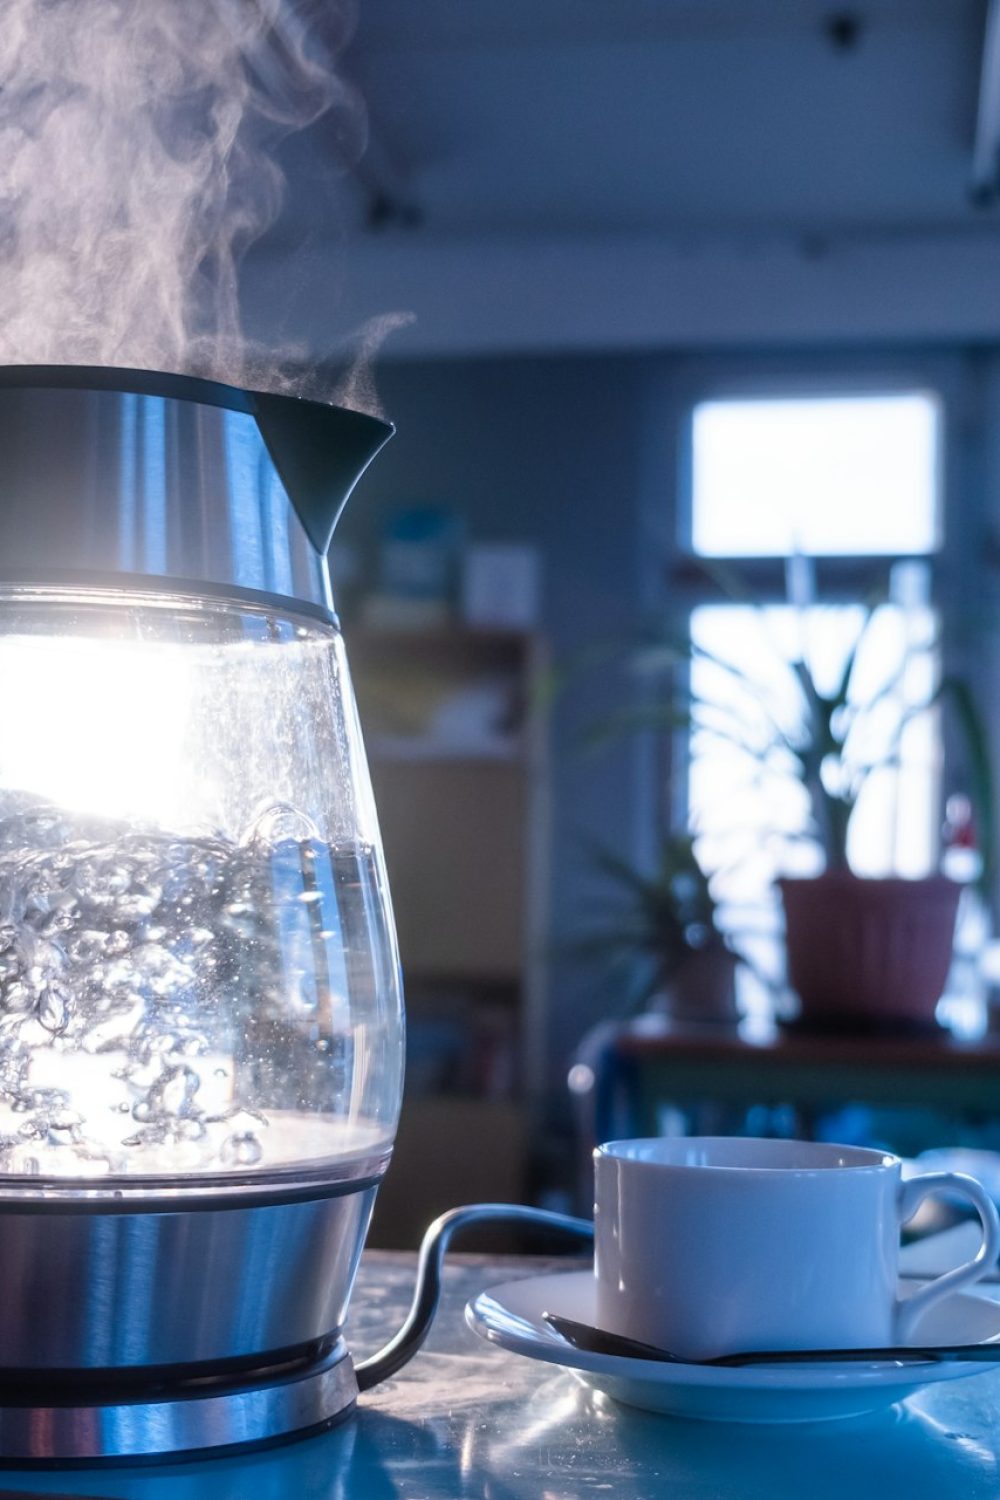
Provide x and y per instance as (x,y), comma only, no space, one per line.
(198,966)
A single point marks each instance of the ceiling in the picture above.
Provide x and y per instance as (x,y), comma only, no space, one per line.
(619,173)
(680,117)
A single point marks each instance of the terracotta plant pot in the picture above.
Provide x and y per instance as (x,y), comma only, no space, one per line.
(869,954)
(702,991)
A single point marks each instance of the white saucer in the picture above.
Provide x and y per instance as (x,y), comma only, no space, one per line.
(511,1316)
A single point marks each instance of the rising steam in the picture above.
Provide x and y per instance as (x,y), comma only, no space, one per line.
(137,144)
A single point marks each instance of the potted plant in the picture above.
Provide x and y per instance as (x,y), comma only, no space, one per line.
(864,951)
(667,921)
(867,952)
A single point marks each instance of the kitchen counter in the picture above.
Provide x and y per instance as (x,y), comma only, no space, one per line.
(466,1420)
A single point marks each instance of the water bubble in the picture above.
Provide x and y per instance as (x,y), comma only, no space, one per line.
(87,946)
(281,823)
(242,1150)
(51,916)
(54,1010)
(164,1043)
(18,997)
(38,828)
(46,956)
(11,965)
(138,903)
(99,881)
(63,1128)
(161,953)
(174,1094)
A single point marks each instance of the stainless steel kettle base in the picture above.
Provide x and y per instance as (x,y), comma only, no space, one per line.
(187,1416)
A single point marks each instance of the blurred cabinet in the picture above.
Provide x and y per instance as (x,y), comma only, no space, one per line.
(456,747)
(451,1149)
(457,847)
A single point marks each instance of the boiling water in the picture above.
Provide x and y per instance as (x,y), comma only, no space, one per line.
(175,1004)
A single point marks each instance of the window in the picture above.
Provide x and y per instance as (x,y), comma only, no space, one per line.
(808,500)
(819,475)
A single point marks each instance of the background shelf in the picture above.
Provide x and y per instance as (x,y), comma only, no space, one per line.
(457,755)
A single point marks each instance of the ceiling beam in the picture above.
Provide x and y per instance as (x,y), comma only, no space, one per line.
(632,293)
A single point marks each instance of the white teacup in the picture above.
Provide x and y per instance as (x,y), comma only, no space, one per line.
(713,1245)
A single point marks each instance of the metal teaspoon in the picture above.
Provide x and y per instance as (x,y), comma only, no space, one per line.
(599,1341)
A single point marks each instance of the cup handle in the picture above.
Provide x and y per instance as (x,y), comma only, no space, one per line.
(911,1196)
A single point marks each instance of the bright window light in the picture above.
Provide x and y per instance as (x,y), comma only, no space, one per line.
(747,804)
(823,475)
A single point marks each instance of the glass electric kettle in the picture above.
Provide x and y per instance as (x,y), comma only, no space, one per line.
(201,1022)
(201,1027)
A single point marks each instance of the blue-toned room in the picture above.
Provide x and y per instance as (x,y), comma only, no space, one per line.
(500,772)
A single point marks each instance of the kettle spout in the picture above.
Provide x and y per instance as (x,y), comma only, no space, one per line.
(320,453)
